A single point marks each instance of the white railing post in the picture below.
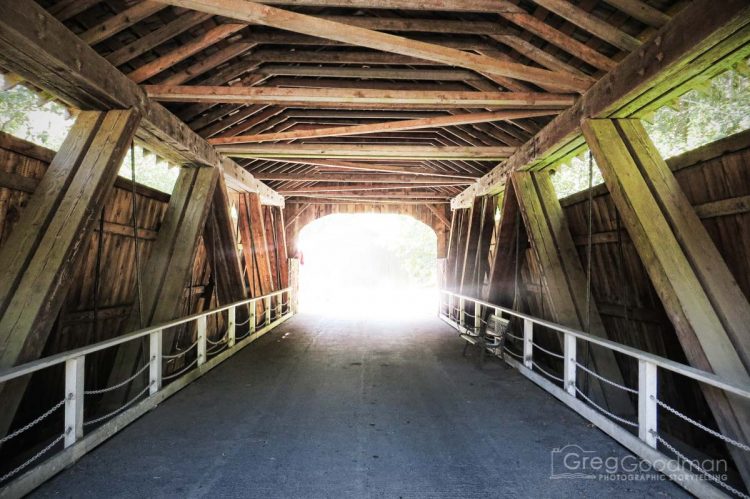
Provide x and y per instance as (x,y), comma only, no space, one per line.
(569,367)
(231,329)
(253,323)
(201,339)
(528,343)
(74,386)
(461,313)
(449,307)
(267,302)
(647,407)
(154,370)
(477,317)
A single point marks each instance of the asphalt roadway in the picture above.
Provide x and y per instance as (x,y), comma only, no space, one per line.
(332,408)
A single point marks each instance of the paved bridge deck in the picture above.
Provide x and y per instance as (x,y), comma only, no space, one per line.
(344,408)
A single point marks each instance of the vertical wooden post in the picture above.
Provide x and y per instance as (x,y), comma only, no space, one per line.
(231,329)
(647,407)
(155,369)
(74,386)
(467,280)
(267,301)
(202,336)
(255,246)
(528,344)
(569,366)
(221,246)
(168,269)
(501,288)
(564,280)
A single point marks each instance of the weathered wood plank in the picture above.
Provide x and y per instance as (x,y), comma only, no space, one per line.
(564,278)
(348,97)
(693,41)
(252,12)
(389,126)
(167,269)
(682,262)
(42,250)
(68,68)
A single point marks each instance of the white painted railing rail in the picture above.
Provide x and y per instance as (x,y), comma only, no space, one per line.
(76,441)
(453,310)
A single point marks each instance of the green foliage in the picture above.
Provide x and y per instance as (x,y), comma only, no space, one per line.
(716,111)
(23,114)
(699,117)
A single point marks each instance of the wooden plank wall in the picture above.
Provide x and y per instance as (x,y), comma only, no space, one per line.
(22,164)
(716,180)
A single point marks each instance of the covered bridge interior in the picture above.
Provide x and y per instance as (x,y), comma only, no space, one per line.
(621,308)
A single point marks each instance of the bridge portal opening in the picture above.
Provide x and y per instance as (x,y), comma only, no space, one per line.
(368,265)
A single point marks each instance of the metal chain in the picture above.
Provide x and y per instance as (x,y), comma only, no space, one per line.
(546,373)
(246,322)
(715,433)
(117,411)
(221,340)
(180,354)
(514,354)
(178,373)
(32,423)
(218,348)
(238,338)
(602,378)
(553,354)
(693,465)
(33,458)
(123,383)
(605,411)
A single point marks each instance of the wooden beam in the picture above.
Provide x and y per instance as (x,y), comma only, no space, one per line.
(157,37)
(121,21)
(405,194)
(360,151)
(507,260)
(349,188)
(368,73)
(469,284)
(373,200)
(252,12)
(346,97)
(167,271)
(689,46)
(332,164)
(564,279)
(355,178)
(223,256)
(439,214)
(71,70)
(420,25)
(44,248)
(210,37)
(255,247)
(207,63)
(391,126)
(642,11)
(588,22)
(706,306)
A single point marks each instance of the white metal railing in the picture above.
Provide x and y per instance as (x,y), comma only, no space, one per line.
(209,353)
(453,310)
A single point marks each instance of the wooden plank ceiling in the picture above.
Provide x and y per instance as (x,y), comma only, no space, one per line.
(365,99)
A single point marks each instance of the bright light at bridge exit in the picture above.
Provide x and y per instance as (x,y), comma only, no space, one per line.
(368,265)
